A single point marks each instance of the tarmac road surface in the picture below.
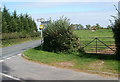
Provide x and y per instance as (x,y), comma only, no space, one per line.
(14,67)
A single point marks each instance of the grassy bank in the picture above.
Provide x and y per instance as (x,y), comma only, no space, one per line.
(11,42)
(76,61)
(8,39)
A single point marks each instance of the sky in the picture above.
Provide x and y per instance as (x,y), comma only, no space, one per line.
(78,12)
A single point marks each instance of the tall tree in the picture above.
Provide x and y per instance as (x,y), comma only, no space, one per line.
(0,21)
(88,27)
(116,31)
(80,27)
(17,23)
(109,27)
(6,15)
(14,22)
(98,26)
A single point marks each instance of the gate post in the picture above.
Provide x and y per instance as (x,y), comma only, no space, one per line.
(96,45)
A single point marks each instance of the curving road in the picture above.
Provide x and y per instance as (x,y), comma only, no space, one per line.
(14,67)
(16,49)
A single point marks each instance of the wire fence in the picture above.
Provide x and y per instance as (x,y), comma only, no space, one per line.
(101,45)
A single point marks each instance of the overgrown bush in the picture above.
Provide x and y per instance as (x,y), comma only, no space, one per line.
(116,31)
(59,37)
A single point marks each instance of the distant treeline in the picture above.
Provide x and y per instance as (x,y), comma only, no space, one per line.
(12,22)
(88,27)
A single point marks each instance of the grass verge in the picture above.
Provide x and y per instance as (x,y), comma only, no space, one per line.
(76,61)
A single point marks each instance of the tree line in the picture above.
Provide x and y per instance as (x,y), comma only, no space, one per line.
(88,27)
(12,22)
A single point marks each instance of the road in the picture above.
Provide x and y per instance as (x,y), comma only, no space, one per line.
(16,49)
(14,67)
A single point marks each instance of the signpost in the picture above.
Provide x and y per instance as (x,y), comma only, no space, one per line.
(42,26)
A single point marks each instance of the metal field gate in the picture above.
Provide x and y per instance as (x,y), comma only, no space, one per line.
(100,45)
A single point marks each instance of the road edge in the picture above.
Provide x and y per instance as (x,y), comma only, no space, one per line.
(107,74)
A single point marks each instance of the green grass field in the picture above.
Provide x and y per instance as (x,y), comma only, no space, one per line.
(105,35)
(97,33)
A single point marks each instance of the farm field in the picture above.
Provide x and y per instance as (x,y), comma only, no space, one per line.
(104,35)
(97,33)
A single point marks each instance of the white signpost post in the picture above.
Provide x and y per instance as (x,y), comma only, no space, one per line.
(41,27)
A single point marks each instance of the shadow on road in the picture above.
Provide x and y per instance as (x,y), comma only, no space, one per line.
(5,68)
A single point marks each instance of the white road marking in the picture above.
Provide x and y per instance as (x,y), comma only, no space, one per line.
(1,60)
(19,54)
(13,56)
(9,76)
(8,58)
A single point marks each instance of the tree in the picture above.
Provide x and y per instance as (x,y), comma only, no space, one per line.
(14,22)
(98,26)
(77,26)
(15,14)
(73,26)
(116,31)
(20,23)
(4,25)
(80,27)
(0,22)
(88,27)
(25,23)
(109,27)
(6,19)
(17,23)
(14,25)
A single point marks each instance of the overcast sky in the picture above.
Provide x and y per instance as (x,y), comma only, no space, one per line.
(78,12)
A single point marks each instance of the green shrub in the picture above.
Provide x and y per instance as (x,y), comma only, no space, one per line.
(116,31)
(59,37)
